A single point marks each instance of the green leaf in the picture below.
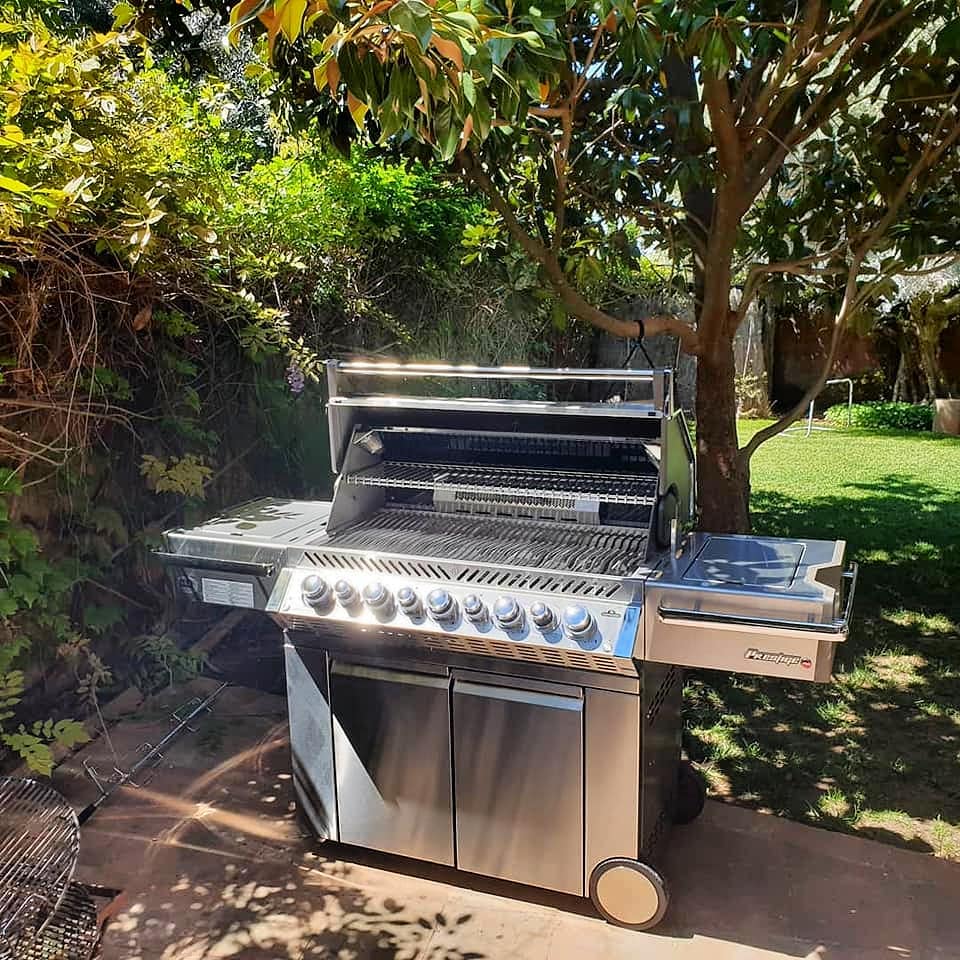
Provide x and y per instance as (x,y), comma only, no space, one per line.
(8,605)
(38,756)
(948,39)
(14,186)
(123,13)
(23,541)
(69,733)
(469,90)
(100,618)
(413,17)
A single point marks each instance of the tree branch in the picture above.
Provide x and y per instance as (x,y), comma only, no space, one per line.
(729,152)
(808,124)
(572,299)
(854,297)
(814,389)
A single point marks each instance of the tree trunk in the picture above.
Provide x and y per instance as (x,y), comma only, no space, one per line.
(723,477)
(930,361)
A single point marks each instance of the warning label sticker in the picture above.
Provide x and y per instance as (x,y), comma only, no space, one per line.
(231,593)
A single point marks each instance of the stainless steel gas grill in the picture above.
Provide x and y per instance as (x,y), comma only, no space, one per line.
(485,628)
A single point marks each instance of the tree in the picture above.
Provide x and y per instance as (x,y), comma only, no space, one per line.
(753,140)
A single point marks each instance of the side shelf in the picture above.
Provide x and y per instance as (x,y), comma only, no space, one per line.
(758,605)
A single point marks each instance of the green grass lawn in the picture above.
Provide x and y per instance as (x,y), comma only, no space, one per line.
(876,752)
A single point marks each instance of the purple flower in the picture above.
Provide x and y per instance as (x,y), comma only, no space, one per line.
(295,379)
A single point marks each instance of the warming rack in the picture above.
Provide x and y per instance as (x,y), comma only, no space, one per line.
(509,482)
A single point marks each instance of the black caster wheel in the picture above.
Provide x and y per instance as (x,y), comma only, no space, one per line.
(691,793)
(629,893)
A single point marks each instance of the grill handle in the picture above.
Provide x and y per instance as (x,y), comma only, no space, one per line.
(837,626)
(470,372)
(216,563)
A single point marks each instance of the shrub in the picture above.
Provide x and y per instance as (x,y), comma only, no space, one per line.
(883,415)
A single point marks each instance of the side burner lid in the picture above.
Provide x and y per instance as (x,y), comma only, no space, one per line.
(746,561)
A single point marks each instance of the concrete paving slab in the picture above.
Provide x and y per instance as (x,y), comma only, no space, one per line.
(215,866)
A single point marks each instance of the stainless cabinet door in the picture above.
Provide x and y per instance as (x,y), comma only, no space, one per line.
(518,771)
(391,742)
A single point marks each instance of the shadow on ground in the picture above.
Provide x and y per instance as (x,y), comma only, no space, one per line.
(878,751)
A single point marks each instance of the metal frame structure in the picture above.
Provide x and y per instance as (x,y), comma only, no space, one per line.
(809,419)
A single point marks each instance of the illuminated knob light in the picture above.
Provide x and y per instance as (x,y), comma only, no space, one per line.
(508,612)
(474,608)
(577,622)
(409,601)
(315,591)
(442,607)
(377,597)
(542,616)
(346,593)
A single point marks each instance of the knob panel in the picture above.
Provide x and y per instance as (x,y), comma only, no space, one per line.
(606,627)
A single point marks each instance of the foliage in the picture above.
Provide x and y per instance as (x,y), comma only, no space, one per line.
(31,601)
(94,135)
(752,395)
(157,661)
(154,308)
(883,415)
(185,475)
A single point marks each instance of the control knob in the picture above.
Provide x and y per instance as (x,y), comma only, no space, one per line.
(442,607)
(315,591)
(508,612)
(346,593)
(542,616)
(377,597)
(577,622)
(409,601)
(474,608)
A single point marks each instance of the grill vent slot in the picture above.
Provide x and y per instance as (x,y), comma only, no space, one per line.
(663,691)
(352,561)
(476,576)
(531,654)
(603,589)
(656,834)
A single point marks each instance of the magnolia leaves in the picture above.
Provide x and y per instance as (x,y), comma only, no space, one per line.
(430,68)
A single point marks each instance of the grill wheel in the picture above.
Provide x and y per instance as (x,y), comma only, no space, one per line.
(691,793)
(629,893)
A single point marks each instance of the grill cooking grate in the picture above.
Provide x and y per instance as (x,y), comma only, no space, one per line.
(510,482)
(71,934)
(39,845)
(567,548)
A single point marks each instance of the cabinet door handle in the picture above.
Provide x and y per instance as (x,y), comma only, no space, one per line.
(534,698)
(386,675)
